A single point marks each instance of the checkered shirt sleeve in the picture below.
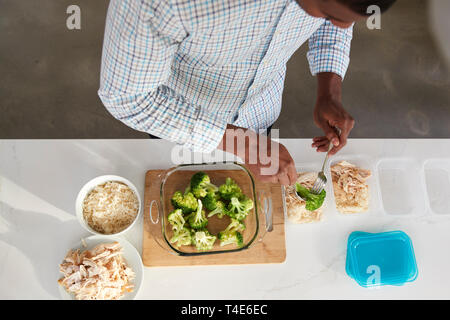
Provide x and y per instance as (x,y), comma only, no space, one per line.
(329,49)
(141,38)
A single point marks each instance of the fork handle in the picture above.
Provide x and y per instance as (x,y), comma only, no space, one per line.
(326,157)
(338,131)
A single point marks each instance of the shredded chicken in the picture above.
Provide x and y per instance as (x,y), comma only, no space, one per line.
(351,192)
(296,207)
(97,274)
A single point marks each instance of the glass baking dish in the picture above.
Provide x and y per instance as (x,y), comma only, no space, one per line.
(258,221)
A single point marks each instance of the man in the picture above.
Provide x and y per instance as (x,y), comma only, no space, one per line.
(187,71)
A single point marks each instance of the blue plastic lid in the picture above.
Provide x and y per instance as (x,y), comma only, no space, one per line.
(377,259)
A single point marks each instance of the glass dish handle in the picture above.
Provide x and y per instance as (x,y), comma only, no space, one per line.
(265,203)
(157,213)
(156,222)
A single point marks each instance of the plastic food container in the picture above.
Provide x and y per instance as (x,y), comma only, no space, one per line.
(401,187)
(311,167)
(258,221)
(437,181)
(363,162)
(378,259)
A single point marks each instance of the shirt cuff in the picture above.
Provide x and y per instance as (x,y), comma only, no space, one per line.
(328,60)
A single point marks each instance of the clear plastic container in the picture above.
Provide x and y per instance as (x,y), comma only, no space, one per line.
(363,162)
(401,187)
(258,221)
(313,167)
(437,181)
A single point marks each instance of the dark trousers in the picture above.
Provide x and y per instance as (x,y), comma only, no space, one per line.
(155,137)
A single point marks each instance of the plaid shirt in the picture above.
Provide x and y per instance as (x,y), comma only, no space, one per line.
(183,69)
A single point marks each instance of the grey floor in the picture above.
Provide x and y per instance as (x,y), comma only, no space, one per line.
(397,85)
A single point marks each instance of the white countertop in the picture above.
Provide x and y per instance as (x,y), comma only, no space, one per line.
(40,179)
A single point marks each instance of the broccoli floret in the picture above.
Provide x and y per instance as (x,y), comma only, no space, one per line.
(210,200)
(231,237)
(235,225)
(186,202)
(203,240)
(197,219)
(230,189)
(238,208)
(313,201)
(220,210)
(182,237)
(176,219)
(201,185)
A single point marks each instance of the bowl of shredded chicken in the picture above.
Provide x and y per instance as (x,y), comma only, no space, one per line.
(108,205)
(101,269)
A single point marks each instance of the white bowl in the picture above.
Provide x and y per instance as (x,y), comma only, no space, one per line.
(88,187)
(131,255)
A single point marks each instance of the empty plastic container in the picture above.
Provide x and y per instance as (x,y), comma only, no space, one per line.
(437,181)
(401,187)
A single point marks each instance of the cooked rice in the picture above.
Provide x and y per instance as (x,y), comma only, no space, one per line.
(110,207)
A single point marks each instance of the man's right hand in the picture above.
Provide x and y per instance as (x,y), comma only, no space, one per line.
(266,159)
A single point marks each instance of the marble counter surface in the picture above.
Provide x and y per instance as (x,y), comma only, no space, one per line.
(40,179)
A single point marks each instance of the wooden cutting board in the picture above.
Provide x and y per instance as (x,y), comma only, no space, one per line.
(271,250)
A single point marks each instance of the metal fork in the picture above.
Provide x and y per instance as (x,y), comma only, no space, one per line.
(321,180)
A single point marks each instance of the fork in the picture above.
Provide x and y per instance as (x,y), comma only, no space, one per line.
(321,180)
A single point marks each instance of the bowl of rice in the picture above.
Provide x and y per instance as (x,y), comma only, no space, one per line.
(108,205)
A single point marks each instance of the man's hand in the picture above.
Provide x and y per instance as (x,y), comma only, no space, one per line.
(267,160)
(284,173)
(330,115)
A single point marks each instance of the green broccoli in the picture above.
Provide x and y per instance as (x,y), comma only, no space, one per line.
(230,189)
(238,208)
(203,240)
(201,185)
(231,237)
(197,219)
(210,200)
(176,219)
(186,202)
(220,210)
(313,201)
(182,237)
(235,225)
